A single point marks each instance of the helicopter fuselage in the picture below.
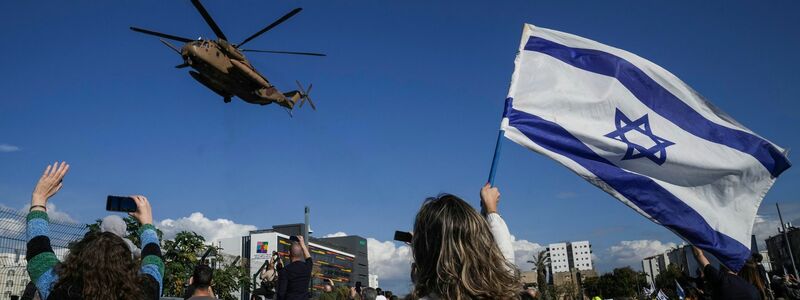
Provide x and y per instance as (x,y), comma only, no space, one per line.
(225,70)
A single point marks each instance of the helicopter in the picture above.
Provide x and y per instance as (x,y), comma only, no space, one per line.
(222,67)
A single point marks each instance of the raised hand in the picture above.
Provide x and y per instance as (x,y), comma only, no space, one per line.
(490,197)
(49,184)
(143,211)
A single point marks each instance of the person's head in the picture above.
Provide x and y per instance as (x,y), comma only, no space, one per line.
(750,273)
(692,293)
(370,293)
(101,267)
(296,251)
(388,294)
(115,225)
(455,254)
(201,277)
(758,258)
(394,297)
(379,291)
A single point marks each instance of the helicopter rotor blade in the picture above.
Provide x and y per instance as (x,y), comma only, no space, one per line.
(270,26)
(163,35)
(283,52)
(171,46)
(209,20)
(304,95)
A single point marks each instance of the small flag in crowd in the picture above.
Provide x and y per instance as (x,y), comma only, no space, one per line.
(639,133)
(647,291)
(661,295)
(679,291)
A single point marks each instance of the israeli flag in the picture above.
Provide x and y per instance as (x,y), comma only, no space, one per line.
(679,291)
(661,295)
(639,133)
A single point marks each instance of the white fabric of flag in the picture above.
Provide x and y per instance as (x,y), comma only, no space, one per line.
(639,133)
(661,295)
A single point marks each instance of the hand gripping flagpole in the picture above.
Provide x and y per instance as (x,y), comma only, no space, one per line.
(498,145)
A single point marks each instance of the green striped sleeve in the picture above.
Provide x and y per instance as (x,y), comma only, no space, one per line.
(41,263)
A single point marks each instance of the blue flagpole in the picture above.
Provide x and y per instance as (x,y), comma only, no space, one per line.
(496,157)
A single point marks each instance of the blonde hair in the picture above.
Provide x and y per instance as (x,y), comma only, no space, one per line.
(455,254)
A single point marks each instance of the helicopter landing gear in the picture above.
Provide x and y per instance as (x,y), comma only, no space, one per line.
(227,99)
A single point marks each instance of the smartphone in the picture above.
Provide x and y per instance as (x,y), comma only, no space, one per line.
(117,203)
(294,239)
(402,236)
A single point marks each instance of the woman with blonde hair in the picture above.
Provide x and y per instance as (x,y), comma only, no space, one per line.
(459,254)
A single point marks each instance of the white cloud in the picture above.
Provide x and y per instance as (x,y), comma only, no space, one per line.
(388,260)
(211,230)
(764,227)
(52,213)
(337,234)
(525,251)
(631,253)
(8,148)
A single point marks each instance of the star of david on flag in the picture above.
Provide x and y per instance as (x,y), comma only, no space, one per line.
(642,135)
(657,153)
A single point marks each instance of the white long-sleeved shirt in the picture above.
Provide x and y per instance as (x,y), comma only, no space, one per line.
(501,236)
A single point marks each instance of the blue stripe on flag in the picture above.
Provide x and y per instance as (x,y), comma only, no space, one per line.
(654,96)
(642,191)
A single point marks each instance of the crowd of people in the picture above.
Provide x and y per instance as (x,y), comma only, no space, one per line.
(751,282)
(458,253)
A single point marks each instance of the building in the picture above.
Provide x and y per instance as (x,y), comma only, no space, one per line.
(373,281)
(681,257)
(357,246)
(570,263)
(567,256)
(528,278)
(778,252)
(766,262)
(654,265)
(13,275)
(341,259)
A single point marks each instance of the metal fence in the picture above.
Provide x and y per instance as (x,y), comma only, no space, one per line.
(13,275)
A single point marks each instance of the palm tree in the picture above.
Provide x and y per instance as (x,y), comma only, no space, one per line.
(542,259)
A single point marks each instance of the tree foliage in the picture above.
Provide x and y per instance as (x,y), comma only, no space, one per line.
(667,278)
(542,259)
(622,282)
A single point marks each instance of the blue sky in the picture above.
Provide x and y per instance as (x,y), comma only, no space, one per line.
(409,101)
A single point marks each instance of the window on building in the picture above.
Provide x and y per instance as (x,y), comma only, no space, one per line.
(10,273)
(10,283)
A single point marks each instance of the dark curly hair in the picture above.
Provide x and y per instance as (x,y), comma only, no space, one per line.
(100,266)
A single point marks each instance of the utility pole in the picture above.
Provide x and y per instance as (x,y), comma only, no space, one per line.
(786,240)
(305,232)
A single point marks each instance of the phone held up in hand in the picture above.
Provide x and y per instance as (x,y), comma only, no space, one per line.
(123,204)
(402,236)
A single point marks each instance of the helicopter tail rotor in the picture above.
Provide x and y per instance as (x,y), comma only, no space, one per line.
(304,95)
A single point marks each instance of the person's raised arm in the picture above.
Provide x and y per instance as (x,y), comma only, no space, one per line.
(700,256)
(152,262)
(490,198)
(710,272)
(40,256)
(302,242)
